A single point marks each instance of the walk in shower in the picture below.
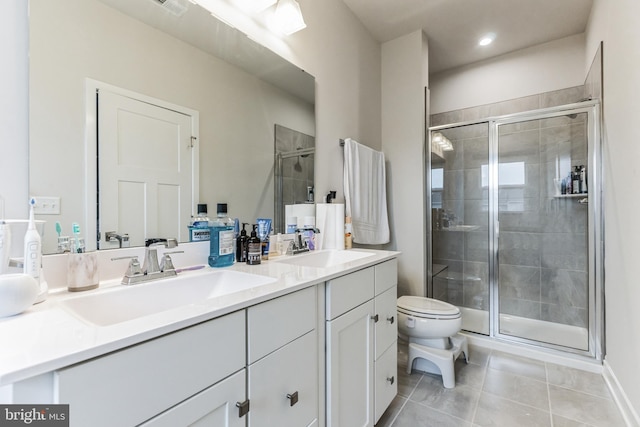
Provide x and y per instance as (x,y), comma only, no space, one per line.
(516,226)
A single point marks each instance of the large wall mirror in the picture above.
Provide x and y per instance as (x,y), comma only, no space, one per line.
(185,57)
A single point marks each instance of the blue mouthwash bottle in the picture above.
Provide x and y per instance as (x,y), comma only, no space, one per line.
(222,241)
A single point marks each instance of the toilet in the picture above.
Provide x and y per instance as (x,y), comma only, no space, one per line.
(431,327)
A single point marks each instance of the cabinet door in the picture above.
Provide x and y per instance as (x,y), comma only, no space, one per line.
(386,386)
(215,406)
(283,387)
(350,368)
(386,326)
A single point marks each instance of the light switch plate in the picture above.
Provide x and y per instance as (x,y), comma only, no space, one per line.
(47,206)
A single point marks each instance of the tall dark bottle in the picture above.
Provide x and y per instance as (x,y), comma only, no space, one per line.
(254,248)
(241,245)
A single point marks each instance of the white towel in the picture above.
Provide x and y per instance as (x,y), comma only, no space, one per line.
(365,193)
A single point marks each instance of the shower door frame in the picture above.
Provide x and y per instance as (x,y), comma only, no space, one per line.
(595,224)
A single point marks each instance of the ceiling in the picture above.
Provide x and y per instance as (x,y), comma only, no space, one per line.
(453,27)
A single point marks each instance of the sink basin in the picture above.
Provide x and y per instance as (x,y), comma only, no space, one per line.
(324,259)
(131,302)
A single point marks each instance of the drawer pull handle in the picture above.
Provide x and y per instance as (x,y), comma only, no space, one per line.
(391,380)
(293,398)
(391,319)
(375,318)
(243,408)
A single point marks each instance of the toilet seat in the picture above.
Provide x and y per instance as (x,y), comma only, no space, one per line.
(427,308)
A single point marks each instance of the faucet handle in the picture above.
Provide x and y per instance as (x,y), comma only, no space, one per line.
(134,265)
(167,263)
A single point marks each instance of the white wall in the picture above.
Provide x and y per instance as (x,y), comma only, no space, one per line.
(550,66)
(615,22)
(14,109)
(405,65)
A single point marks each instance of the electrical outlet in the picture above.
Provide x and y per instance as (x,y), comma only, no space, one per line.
(47,206)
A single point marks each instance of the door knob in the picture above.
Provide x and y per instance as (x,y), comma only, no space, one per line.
(243,408)
(293,398)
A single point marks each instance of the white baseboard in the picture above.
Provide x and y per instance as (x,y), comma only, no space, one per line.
(629,413)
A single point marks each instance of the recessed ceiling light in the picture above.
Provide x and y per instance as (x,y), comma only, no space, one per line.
(487,39)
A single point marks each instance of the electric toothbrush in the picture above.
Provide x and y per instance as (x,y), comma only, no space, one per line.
(33,254)
(32,246)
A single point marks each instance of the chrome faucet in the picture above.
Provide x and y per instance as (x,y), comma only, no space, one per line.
(122,239)
(299,245)
(151,269)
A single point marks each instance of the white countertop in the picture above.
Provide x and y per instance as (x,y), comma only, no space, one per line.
(47,336)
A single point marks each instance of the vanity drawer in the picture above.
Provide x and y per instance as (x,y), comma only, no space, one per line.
(349,291)
(386,275)
(386,380)
(283,387)
(146,379)
(279,321)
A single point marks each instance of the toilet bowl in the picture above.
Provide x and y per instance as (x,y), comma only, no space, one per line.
(431,327)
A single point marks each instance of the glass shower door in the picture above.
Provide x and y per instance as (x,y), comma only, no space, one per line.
(542,223)
(460,222)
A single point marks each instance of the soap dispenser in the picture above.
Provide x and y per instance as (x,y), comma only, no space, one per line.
(241,245)
(254,248)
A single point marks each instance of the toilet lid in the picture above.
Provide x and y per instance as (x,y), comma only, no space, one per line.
(427,306)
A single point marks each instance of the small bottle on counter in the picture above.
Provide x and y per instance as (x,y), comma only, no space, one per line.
(348,242)
(254,248)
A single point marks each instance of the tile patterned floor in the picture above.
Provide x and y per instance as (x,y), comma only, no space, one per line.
(502,390)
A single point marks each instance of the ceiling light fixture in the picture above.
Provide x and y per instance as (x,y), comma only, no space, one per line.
(288,17)
(261,5)
(487,39)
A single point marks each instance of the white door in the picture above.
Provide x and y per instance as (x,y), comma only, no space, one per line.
(350,368)
(145,169)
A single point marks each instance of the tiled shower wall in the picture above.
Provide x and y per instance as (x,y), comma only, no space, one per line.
(297,172)
(543,239)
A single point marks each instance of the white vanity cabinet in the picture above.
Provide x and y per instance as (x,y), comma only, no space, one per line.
(361,344)
(133,385)
(283,361)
